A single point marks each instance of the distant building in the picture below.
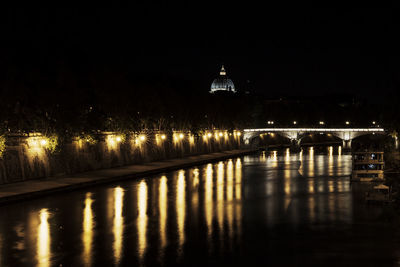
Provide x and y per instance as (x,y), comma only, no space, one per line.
(222,83)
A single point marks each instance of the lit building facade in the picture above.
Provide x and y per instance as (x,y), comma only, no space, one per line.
(222,83)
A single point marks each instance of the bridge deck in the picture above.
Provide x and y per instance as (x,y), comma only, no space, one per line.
(315,130)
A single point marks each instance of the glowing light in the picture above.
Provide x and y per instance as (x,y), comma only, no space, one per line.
(142,137)
(311,162)
(118,223)
(118,138)
(180,208)
(43,239)
(238,179)
(321,123)
(294,122)
(181,136)
(310,187)
(220,134)
(209,134)
(191,140)
(43,142)
(142,218)
(163,137)
(347,122)
(220,197)
(374,122)
(238,133)
(162,203)
(87,234)
(208,203)
(287,158)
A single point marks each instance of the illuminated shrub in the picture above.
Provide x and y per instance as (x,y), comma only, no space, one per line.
(2,145)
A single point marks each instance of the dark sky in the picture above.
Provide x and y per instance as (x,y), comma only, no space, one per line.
(280,51)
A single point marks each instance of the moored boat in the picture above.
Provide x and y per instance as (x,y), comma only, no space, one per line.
(368,166)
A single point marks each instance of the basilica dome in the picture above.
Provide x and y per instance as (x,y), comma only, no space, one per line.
(222,83)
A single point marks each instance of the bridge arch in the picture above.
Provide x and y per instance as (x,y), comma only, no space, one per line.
(296,134)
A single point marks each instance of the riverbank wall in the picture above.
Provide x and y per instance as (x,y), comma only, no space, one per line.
(35,156)
(40,187)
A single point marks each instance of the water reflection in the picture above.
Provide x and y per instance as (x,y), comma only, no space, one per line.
(220,197)
(311,162)
(180,209)
(208,203)
(87,234)
(214,206)
(43,239)
(162,203)
(118,223)
(142,219)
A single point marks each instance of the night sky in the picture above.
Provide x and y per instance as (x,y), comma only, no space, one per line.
(272,52)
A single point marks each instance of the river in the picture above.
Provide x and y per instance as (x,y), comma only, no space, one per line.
(274,208)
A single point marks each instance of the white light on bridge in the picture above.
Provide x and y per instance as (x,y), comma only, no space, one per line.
(347,122)
(374,122)
(294,122)
(321,123)
(270,122)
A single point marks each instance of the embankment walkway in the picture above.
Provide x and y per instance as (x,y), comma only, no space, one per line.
(39,187)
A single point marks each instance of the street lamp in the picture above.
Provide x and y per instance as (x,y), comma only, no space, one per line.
(294,122)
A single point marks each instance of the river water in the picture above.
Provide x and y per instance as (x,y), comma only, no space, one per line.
(274,208)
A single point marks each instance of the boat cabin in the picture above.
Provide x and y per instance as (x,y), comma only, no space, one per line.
(368,166)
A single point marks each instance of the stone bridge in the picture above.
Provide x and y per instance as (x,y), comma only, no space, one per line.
(295,134)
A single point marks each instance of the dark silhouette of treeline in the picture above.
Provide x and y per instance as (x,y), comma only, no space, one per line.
(65,100)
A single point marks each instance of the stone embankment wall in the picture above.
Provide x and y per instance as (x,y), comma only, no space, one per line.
(29,157)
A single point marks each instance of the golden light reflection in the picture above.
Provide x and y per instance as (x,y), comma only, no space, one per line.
(340,150)
(238,179)
(162,203)
(287,155)
(301,154)
(262,157)
(340,187)
(20,233)
(180,208)
(220,197)
(196,174)
(311,186)
(229,178)
(142,219)
(274,159)
(208,196)
(287,182)
(229,198)
(43,239)
(330,186)
(118,223)
(195,193)
(87,234)
(330,161)
(311,162)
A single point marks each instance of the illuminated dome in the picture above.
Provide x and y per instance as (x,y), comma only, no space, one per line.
(222,83)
